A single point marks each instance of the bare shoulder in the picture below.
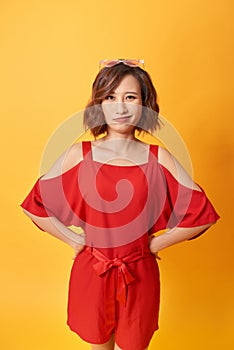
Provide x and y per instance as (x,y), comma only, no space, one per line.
(71,157)
(74,155)
(166,159)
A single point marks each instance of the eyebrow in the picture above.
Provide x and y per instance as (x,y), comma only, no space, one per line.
(128,92)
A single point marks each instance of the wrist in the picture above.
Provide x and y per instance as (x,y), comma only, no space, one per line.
(76,239)
(153,245)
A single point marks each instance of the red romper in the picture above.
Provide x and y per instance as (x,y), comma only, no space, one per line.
(114,284)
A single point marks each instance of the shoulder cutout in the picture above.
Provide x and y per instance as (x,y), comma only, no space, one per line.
(168,161)
(71,157)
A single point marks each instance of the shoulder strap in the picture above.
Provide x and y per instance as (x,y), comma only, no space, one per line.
(153,152)
(87,149)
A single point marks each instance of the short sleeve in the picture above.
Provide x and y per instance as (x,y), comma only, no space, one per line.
(187,207)
(55,197)
(33,202)
(183,206)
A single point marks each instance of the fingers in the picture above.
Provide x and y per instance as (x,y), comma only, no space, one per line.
(157,256)
(78,249)
(152,248)
(82,237)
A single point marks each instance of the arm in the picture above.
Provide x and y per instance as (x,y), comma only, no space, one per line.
(199,216)
(57,229)
(173,236)
(34,207)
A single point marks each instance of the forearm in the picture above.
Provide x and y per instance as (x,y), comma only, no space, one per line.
(57,229)
(174,236)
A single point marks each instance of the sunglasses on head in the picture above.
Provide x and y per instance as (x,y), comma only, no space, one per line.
(130,63)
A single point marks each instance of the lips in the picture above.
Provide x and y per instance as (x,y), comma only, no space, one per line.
(122,119)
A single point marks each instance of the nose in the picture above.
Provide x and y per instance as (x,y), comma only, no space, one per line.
(121,108)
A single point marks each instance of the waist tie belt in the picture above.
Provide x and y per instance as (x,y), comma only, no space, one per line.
(125,277)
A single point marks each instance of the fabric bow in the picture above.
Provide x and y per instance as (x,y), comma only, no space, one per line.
(125,277)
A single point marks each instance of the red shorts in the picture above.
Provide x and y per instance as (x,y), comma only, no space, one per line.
(115,290)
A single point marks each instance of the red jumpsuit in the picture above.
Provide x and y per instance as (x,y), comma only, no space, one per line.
(114,283)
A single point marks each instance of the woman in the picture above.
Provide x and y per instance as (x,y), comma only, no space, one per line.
(120,191)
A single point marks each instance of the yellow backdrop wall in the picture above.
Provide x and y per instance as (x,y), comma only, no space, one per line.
(50,52)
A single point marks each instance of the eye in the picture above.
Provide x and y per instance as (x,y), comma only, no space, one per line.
(130,97)
(109,97)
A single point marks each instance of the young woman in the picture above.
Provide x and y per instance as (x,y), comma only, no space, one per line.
(120,191)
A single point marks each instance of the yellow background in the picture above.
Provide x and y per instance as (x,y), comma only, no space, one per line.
(50,52)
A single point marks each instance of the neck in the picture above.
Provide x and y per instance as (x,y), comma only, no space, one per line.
(112,135)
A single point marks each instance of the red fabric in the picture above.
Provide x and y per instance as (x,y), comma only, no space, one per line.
(124,275)
(158,200)
(94,311)
(69,200)
(115,285)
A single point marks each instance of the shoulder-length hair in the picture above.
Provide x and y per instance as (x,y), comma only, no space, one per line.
(105,83)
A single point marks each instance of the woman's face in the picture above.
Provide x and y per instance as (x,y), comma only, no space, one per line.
(122,108)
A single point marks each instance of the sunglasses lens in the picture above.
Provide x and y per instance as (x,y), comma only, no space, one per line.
(132,63)
(110,63)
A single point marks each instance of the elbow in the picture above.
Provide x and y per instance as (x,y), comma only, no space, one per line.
(200,230)
(26,212)
(30,215)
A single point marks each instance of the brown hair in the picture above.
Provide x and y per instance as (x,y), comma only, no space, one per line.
(105,83)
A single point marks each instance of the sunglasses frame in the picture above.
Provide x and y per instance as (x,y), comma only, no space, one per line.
(128,62)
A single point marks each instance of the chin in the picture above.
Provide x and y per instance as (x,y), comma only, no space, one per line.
(122,128)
